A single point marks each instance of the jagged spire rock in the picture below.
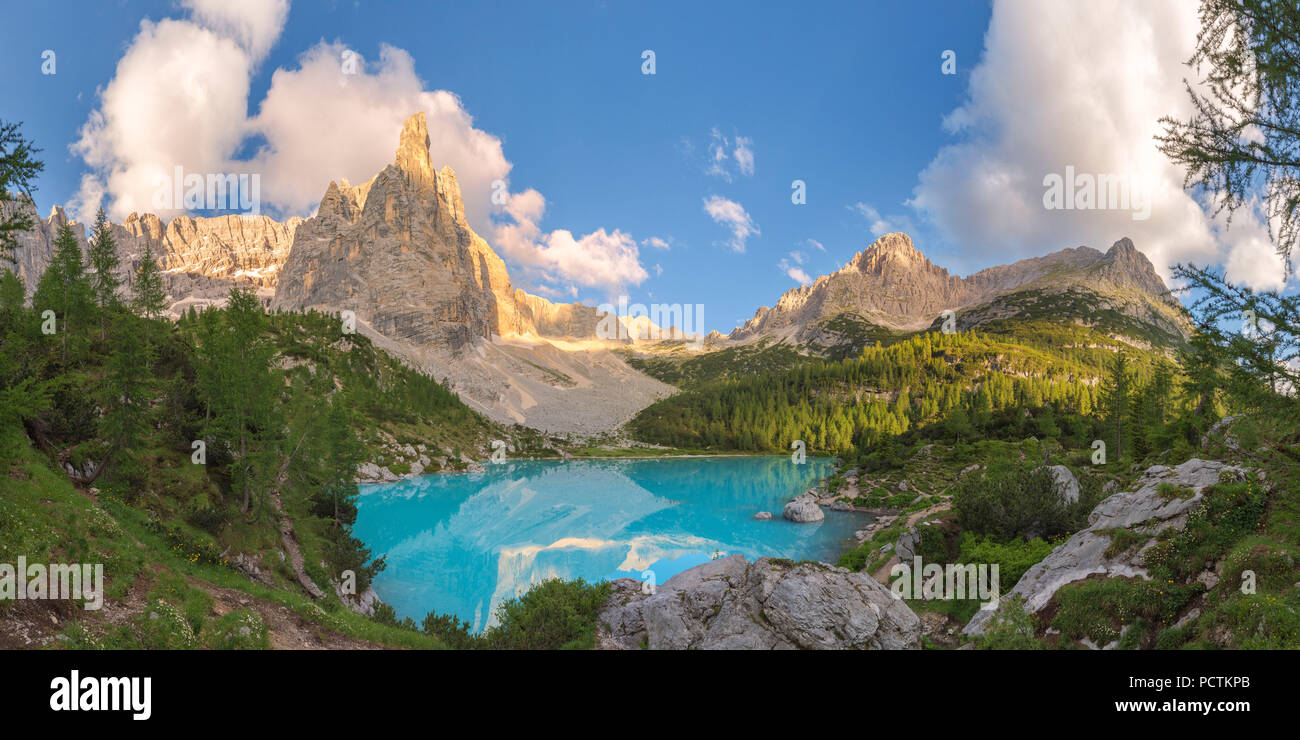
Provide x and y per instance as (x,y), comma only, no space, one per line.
(399,252)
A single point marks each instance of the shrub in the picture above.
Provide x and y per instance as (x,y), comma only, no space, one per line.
(554,614)
(1013,558)
(1099,609)
(451,631)
(1014,503)
(1011,627)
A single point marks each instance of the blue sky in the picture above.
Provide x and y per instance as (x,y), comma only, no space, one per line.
(848,97)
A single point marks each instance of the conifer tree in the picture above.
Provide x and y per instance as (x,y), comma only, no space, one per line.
(104,264)
(1116,398)
(149,299)
(65,288)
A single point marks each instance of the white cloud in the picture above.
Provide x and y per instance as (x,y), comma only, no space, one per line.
(726,153)
(792,270)
(255,24)
(180,97)
(744,155)
(601,259)
(732,215)
(877,224)
(1080,85)
(321,125)
(816,245)
(657,243)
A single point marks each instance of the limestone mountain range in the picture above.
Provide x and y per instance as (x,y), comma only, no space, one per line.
(399,252)
(893,285)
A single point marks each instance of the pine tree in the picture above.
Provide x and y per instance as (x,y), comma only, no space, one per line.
(149,298)
(235,369)
(1202,362)
(1116,398)
(65,288)
(18,168)
(126,393)
(104,264)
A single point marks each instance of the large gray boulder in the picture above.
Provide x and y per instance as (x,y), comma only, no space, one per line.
(1142,510)
(1067,486)
(905,546)
(803,509)
(732,604)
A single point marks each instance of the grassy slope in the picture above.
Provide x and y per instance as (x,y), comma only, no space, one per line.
(44,518)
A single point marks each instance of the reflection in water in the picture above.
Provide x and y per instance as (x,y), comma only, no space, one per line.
(464,543)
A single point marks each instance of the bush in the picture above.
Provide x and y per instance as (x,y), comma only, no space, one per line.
(387,616)
(1013,558)
(1011,628)
(554,614)
(450,631)
(1017,503)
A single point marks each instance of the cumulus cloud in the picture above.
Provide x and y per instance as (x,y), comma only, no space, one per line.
(877,223)
(180,96)
(790,265)
(657,243)
(794,272)
(728,156)
(732,215)
(320,125)
(601,259)
(1082,86)
(255,24)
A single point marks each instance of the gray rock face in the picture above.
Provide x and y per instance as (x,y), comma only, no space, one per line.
(1143,510)
(200,258)
(732,604)
(1067,486)
(803,509)
(905,546)
(36,246)
(763,515)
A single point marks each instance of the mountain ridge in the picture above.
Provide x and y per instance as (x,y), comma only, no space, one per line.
(893,285)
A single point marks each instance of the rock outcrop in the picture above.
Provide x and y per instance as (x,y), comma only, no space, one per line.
(1144,510)
(732,604)
(803,509)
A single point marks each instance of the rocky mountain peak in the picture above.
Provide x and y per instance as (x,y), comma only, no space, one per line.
(893,252)
(893,285)
(413,147)
(1124,266)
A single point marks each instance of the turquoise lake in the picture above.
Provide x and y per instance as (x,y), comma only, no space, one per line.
(463,543)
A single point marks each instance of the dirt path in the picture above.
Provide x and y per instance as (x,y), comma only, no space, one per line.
(882,573)
(287,630)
